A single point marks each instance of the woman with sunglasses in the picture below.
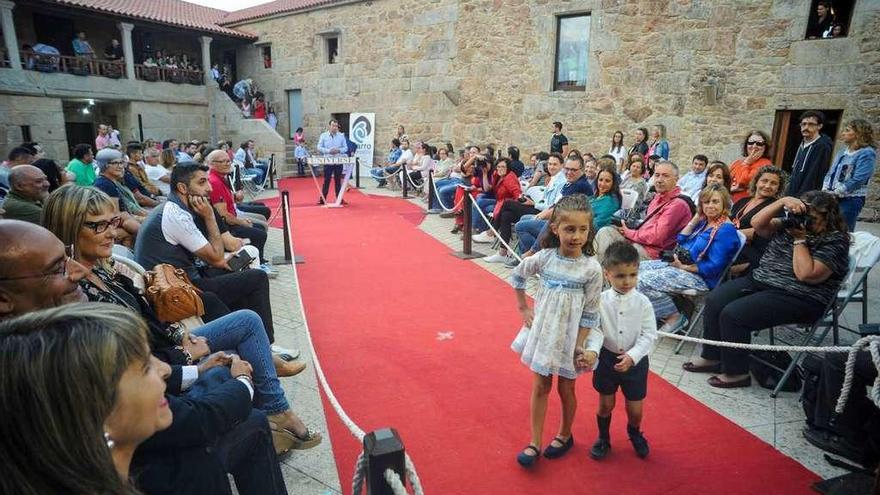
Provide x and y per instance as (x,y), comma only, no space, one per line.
(87,218)
(756,154)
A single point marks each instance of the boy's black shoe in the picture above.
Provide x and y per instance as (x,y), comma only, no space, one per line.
(600,449)
(640,444)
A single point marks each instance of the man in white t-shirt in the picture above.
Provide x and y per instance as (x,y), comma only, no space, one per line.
(159,176)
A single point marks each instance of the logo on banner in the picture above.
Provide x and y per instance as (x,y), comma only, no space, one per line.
(362,131)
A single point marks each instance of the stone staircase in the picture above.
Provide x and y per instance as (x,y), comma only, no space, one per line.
(233,127)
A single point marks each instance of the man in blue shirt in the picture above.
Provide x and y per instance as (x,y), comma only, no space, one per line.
(332,143)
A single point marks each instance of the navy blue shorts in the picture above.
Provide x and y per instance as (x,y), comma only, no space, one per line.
(634,382)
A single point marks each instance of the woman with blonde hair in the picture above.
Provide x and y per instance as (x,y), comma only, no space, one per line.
(168,158)
(852,169)
(80,391)
(659,145)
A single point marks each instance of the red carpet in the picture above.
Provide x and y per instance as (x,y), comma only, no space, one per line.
(377,291)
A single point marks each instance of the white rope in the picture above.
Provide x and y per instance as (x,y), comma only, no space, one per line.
(394,482)
(437,193)
(355,430)
(405,172)
(872,342)
(384,176)
(510,250)
(755,347)
(360,474)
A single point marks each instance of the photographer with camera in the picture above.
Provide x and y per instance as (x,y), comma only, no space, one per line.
(706,245)
(797,277)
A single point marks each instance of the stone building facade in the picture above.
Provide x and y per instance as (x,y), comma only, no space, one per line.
(482,71)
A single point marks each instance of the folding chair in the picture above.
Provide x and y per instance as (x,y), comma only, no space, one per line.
(698,298)
(630,198)
(864,253)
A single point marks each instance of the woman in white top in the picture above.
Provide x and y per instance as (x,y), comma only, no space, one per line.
(618,151)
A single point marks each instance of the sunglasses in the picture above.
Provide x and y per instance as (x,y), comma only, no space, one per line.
(103,225)
(755,143)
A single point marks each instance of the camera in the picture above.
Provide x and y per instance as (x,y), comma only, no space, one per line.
(632,223)
(796,220)
(683,255)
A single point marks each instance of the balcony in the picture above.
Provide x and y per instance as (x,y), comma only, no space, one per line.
(113,69)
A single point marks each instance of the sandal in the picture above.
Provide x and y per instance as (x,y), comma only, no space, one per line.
(286,439)
(706,368)
(526,460)
(553,452)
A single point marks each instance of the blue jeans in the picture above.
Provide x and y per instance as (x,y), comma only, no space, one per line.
(381,173)
(850,208)
(439,186)
(447,193)
(529,231)
(485,204)
(242,332)
(257,173)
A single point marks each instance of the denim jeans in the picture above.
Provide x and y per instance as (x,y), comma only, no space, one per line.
(447,193)
(850,208)
(529,231)
(242,332)
(381,173)
(257,173)
(486,205)
(448,183)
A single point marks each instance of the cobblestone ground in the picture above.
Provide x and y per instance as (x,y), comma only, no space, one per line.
(776,421)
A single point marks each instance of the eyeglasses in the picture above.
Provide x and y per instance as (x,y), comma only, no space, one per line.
(755,143)
(116,162)
(103,225)
(61,271)
(571,170)
(221,161)
(809,124)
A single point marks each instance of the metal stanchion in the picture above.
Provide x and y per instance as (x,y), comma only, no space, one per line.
(430,190)
(404,179)
(288,231)
(357,173)
(383,449)
(467,253)
(272,171)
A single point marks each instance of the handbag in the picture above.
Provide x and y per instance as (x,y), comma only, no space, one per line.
(172,295)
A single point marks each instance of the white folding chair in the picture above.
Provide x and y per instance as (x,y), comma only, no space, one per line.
(630,198)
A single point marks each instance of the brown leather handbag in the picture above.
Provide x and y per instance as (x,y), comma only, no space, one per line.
(172,295)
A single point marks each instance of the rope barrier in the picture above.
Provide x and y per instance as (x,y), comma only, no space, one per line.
(872,342)
(406,173)
(440,201)
(510,250)
(360,473)
(353,428)
(755,347)
(394,482)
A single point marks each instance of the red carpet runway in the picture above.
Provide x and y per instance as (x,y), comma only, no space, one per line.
(413,338)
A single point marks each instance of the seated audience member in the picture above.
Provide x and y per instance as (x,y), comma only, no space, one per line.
(591,171)
(29,188)
(852,169)
(113,51)
(691,183)
(71,213)
(102,140)
(81,166)
(539,176)
(35,149)
(512,211)
(80,390)
(446,189)
(797,278)
(504,186)
(135,154)
(17,156)
(764,189)
(468,174)
(417,167)
(111,165)
(718,173)
(634,179)
(56,175)
(530,229)
(516,166)
(403,154)
(849,434)
(252,166)
(756,154)
(706,246)
(607,199)
(632,158)
(184,229)
(82,47)
(157,174)
(667,214)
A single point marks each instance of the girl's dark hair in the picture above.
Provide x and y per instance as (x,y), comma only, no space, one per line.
(615,184)
(826,205)
(644,133)
(504,159)
(299,129)
(513,152)
(619,145)
(53,173)
(725,171)
(574,202)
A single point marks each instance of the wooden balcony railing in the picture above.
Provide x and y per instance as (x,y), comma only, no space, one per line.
(115,69)
(176,76)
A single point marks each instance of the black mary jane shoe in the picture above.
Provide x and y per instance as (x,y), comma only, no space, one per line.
(526,460)
(553,452)
(600,449)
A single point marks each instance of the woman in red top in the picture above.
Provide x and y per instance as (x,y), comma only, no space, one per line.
(505,186)
(259,110)
(756,154)
(468,178)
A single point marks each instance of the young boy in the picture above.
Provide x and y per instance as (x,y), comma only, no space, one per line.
(629,331)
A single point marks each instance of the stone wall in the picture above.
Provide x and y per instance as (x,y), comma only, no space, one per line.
(231,126)
(481,70)
(162,121)
(45,117)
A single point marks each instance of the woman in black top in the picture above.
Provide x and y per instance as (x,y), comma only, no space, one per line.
(798,277)
(641,144)
(764,189)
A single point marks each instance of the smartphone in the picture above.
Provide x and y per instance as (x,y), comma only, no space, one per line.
(240,261)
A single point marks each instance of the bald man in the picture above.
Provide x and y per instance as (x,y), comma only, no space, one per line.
(28,188)
(36,271)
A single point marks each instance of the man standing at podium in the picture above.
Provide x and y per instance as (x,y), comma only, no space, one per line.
(332,144)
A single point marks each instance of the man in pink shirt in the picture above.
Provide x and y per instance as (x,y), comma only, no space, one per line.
(103,139)
(667,215)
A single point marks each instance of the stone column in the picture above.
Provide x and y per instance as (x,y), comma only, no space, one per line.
(9,34)
(127,52)
(206,57)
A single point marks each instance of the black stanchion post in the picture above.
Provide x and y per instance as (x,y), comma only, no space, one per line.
(383,449)
(272,171)
(431,197)
(357,173)
(404,179)
(467,253)
(288,240)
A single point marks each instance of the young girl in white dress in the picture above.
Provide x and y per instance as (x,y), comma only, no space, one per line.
(553,338)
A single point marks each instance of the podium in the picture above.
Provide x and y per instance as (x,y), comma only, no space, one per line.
(349,164)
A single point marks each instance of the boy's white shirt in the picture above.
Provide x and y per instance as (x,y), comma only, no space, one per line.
(627,325)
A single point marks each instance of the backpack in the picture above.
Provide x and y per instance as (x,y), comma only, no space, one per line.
(769,377)
(687,199)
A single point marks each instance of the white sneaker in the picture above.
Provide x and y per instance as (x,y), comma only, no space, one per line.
(497,258)
(484,237)
(270,270)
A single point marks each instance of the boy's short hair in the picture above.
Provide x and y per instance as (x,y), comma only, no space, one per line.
(620,253)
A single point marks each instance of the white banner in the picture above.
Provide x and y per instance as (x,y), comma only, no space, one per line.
(362,130)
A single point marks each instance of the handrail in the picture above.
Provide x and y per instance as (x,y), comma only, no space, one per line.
(115,69)
(167,74)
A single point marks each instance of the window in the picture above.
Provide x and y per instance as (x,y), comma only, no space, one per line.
(332,49)
(26,134)
(266,52)
(572,47)
(829,19)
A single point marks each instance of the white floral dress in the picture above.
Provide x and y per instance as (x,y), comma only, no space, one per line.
(567,299)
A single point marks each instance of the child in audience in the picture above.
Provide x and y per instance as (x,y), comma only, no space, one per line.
(554,333)
(629,331)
